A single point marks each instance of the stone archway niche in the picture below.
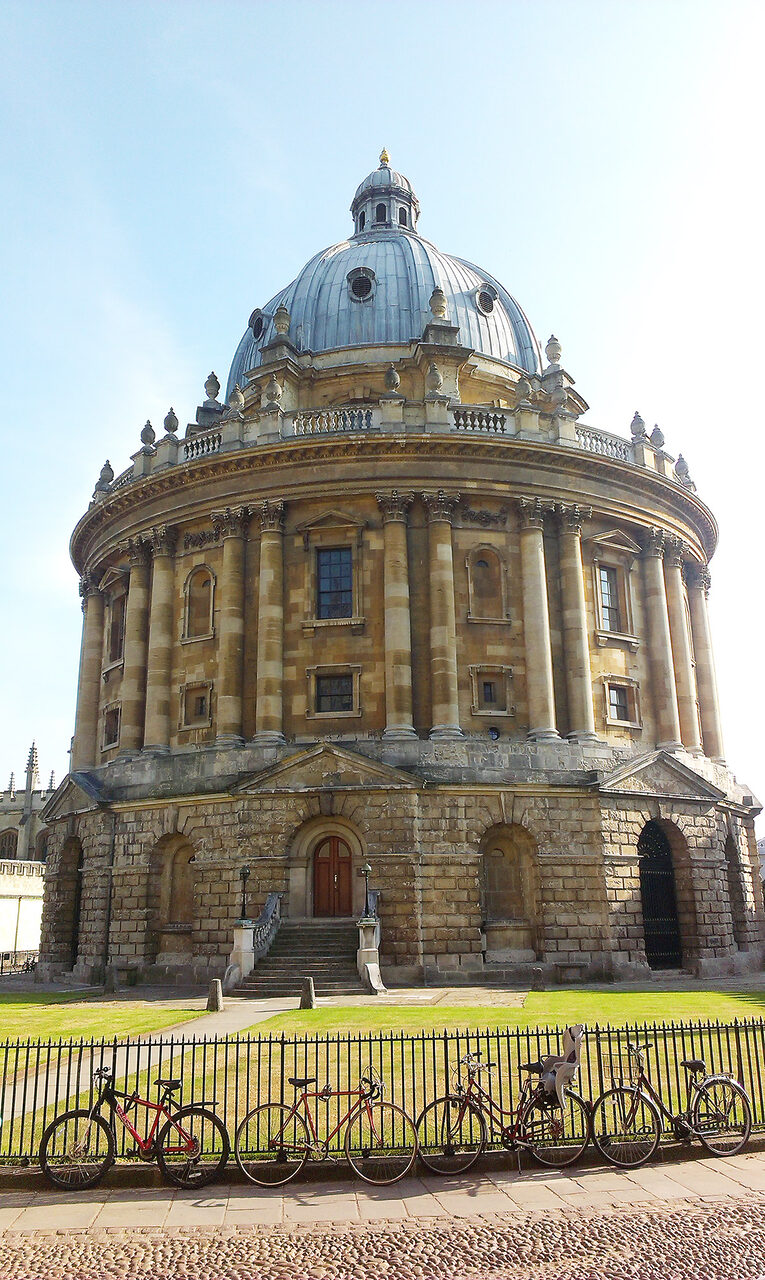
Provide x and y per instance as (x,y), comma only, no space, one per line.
(308,839)
(172,881)
(510,894)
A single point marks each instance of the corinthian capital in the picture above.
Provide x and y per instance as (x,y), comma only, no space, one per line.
(163,539)
(272,516)
(674,551)
(394,505)
(135,551)
(441,505)
(654,543)
(533,512)
(571,516)
(698,575)
(231,522)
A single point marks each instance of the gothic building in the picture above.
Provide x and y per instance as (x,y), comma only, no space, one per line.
(390,601)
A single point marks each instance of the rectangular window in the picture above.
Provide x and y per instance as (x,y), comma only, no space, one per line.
(334,572)
(618,702)
(195,706)
(117,628)
(489,693)
(111,726)
(609,599)
(334,693)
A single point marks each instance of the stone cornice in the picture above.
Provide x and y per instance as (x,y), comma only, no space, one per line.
(558,462)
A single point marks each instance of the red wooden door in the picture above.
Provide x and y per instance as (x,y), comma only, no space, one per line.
(332,882)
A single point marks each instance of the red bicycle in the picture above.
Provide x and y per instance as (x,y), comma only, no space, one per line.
(79,1146)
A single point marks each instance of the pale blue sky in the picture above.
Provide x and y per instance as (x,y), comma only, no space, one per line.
(167,167)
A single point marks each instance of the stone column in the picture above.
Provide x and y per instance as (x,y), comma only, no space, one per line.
(660,644)
(711,728)
(269,727)
(575,632)
(85,743)
(398,633)
(231,526)
(162,541)
(540,690)
(136,637)
(682,655)
(443,617)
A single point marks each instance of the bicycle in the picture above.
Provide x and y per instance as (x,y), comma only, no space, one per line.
(453,1130)
(79,1146)
(628,1120)
(274,1140)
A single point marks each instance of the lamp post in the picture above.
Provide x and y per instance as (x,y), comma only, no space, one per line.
(243,876)
(366,871)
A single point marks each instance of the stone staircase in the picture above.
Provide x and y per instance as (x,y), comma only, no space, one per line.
(324,950)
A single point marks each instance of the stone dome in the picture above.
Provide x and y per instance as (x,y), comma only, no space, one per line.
(374,289)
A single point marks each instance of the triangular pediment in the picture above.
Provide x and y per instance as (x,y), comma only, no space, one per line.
(614,540)
(326,767)
(77,793)
(331,520)
(659,774)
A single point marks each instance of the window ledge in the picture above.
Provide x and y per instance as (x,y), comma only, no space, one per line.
(208,635)
(309,624)
(333,715)
(106,671)
(495,622)
(623,724)
(617,637)
(492,711)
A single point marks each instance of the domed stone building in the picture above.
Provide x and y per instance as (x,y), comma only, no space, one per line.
(390,603)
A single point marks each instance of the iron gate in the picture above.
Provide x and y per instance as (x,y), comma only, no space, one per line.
(657,892)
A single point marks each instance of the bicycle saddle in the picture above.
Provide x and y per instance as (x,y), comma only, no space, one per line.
(300,1082)
(694,1064)
(169,1084)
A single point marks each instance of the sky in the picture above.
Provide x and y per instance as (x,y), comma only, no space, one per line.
(167,167)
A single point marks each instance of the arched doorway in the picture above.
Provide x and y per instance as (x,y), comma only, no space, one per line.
(332,878)
(661,925)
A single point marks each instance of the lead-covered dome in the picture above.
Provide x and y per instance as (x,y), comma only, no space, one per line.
(375,288)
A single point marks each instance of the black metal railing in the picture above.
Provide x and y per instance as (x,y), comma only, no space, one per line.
(17,962)
(39,1078)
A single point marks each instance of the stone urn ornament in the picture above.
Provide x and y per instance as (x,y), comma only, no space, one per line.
(171,421)
(392,380)
(433,378)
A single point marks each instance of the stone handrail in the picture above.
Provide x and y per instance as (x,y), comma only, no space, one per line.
(200,446)
(123,478)
(267,925)
(603,443)
(333,421)
(469,419)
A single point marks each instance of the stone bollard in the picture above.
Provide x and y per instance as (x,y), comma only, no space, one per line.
(215,996)
(537,979)
(307,995)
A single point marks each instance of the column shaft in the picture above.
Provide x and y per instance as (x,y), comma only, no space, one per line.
(85,744)
(398,633)
(443,616)
(575,635)
(136,638)
(540,690)
(269,722)
(660,644)
(160,650)
(711,727)
(231,525)
(682,656)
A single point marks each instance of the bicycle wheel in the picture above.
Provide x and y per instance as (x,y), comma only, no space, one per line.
(722,1116)
(626,1126)
(192,1147)
(451,1133)
(76,1150)
(556,1136)
(381,1142)
(271,1144)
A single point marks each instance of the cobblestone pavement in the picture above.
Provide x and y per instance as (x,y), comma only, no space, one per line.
(713,1240)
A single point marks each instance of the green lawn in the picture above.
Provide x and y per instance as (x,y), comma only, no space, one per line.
(541,1008)
(65,1014)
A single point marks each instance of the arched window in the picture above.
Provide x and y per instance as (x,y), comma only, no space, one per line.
(661,926)
(199,604)
(380,213)
(402,217)
(41,846)
(8,843)
(487,595)
(362,220)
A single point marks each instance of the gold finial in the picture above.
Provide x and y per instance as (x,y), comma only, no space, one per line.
(384,157)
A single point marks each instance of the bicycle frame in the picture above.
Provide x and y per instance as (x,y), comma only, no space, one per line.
(511,1132)
(363,1099)
(111,1096)
(644,1086)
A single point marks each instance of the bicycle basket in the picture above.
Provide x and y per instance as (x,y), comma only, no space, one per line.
(618,1067)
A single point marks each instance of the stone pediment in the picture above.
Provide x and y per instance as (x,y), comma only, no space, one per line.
(331,520)
(77,793)
(326,768)
(659,774)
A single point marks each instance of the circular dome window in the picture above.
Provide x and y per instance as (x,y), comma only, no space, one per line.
(257,324)
(361,283)
(485,298)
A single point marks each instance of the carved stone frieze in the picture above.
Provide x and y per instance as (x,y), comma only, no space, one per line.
(196,539)
(441,505)
(486,519)
(231,522)
(394,505)
(272,516)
